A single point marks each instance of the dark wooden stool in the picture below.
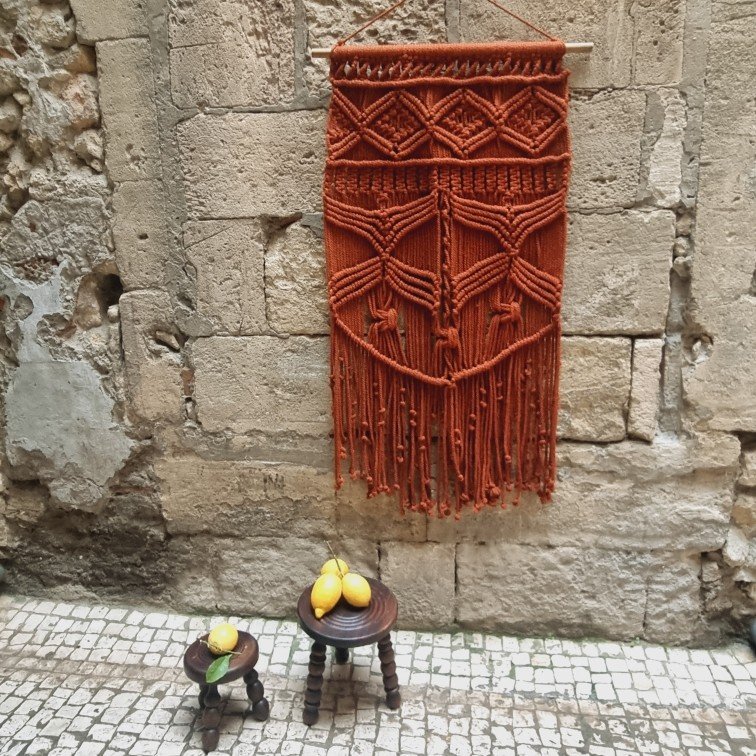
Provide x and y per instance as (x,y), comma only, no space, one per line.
(346,627)
(196,661)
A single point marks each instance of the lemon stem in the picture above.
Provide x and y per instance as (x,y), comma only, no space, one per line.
(336,559)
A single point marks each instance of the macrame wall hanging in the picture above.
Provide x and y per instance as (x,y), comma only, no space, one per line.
(444,199)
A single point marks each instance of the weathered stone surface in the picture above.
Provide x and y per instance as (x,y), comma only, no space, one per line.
(719,384)
(665,162)
(644,396)
(109,19)
(228,259)
(606,24)
(744,512)
(594,388)
(127,98)
(658,41)
(245,498)
(59,421)
(261,383)
(255,575)
(673,611)
(245,164)
(613,286)
(628,496)
(606,131)
(540,591)
(357,514)
(153,371)
(327,22)
(140,233)
(232,53)
(748,469)
(422,577)
(295,281)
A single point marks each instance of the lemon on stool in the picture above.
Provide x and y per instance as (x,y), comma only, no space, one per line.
(222,639)
(325,593)
(334,567)
(356,589)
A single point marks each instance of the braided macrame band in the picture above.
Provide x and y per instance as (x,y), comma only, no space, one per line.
(444,200)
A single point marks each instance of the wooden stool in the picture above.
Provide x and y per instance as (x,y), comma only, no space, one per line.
(346,627)
(196,661)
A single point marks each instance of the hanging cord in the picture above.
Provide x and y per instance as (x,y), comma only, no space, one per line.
(388,11)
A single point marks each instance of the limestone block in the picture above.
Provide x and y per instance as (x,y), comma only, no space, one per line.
(422,577)
(737,549)
(246,164)
(673,606)
(327,22)
(644,396)
(265,576)
(232,53)
(564,591)
(153,371)
(140,233)
(719,384)
(109,19)
(617,272)
(127,100)
(228,259)
(606,24)
(606,134)
(295,281)
(666,159)
(594,388)
(359,516)
(729,76)
(748,470)
(658,41)
(627,496)
(744,512)
(245,498)
(262,382)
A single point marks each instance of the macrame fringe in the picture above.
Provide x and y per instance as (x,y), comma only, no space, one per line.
(442,448)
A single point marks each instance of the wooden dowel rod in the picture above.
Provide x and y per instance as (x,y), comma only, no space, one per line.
(571,47)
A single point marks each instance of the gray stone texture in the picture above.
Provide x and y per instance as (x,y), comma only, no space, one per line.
(594,388)
(248,164)
(231,53)
(617,272)
(163,339)
(423,578)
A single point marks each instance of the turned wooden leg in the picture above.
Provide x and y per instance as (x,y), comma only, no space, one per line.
(256,694)
(211,716)
(342,655)
(314,683)
(388,668)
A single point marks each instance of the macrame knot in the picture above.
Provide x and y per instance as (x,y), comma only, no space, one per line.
(448,338)
(510,309)
(387,320)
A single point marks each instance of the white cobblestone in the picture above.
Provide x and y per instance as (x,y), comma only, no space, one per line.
(77,679)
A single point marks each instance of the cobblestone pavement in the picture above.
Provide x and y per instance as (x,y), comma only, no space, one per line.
(100,680)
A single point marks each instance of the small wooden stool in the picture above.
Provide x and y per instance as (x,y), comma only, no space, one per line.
(346,627)
(196,661)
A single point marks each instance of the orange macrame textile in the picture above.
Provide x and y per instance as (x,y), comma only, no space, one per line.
(445,226)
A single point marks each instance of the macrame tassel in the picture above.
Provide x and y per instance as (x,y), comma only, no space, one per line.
(444,200)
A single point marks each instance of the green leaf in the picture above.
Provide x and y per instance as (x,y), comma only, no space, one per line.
(217,669)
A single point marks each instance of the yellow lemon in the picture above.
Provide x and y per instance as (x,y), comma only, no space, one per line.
(222,639)
(356,589)
(335,567)
(325,593)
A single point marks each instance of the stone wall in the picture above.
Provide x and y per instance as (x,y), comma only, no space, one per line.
(164,337)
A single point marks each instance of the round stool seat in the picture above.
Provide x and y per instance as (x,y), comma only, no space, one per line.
(198,658)
(346,626)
